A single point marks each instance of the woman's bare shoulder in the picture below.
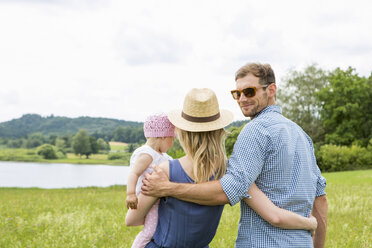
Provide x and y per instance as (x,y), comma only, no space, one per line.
(164,166)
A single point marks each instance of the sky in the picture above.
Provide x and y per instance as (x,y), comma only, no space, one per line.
(129,59)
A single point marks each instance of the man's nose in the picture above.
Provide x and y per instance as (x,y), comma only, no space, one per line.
(242,97)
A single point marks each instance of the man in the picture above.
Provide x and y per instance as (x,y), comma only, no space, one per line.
(271,151)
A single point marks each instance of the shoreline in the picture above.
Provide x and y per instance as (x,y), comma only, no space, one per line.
(115,186)
(69,161)
(59,161)
(30,155)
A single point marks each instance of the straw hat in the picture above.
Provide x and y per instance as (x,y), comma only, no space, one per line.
(200,112)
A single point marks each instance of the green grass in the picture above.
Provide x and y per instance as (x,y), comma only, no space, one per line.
(94,217)
(89,217)
(349,197)
(19,154)
(30,155)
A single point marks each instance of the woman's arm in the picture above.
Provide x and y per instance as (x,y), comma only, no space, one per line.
(276,216)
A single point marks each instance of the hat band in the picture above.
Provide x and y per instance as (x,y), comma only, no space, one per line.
(200,119)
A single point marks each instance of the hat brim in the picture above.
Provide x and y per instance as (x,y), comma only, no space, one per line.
(175,117)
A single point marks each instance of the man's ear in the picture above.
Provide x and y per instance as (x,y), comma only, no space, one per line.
(271,90)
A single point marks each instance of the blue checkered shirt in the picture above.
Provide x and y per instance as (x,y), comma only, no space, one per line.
(278,156)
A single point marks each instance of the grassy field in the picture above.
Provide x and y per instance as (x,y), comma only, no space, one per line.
(30,155)
(117,146)
(94,217)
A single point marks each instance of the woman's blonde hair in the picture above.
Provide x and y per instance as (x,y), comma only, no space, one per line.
(207,153)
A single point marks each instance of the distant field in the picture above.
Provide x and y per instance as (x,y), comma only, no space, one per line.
(94,217)
(117,146)
(118,143)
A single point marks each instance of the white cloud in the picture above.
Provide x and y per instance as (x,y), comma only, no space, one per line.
(128,59)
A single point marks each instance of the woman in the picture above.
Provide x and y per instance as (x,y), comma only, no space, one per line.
(199,128)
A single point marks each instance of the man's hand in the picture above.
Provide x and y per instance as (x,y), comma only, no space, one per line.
(132,201)
(156,184)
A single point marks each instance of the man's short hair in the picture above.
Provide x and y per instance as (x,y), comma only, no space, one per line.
(263,71)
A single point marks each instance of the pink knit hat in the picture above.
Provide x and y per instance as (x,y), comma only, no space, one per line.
(158,126)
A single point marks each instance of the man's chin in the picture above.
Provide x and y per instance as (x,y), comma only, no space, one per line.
(247,114)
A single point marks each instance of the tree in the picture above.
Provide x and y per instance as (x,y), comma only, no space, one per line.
(130,148)
(61,145)
(129,134)
(94,147)
(52,139)
(15,143)
(103,145)
(346,108)
(68,140)
(121,134)
(298,101)
(34,140)
(232,135)
(81,144)
(47,151)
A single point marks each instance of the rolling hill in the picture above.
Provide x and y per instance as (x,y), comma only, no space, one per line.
(56,125)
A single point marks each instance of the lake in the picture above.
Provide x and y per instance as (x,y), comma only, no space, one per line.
(53,176)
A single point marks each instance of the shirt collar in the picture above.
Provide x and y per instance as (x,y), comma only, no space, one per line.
(270,109)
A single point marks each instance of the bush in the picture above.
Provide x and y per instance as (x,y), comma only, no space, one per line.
(341,158)
(18,154)
(231,136)
(118,155)
(31,152)
(176,150)
(61,154)
(47,151)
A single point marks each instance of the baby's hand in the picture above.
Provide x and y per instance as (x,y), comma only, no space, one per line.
(132,201)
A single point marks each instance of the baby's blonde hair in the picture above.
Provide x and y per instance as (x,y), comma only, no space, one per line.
(207,152)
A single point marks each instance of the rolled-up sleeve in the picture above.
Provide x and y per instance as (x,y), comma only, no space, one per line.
(233,189)
(321,182)
(320,186)
(245,163)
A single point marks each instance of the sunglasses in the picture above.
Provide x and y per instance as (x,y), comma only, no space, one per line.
(248,92)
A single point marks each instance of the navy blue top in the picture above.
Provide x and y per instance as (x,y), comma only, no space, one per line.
(184,224)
